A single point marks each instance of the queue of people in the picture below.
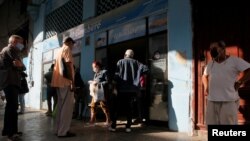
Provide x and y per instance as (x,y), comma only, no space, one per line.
(66,87)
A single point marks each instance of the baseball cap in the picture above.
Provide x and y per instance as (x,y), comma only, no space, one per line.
(68,39)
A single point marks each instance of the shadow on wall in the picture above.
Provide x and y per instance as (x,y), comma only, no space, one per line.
(171,110)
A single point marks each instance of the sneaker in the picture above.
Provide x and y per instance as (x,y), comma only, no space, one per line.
(49,114)
(141,125)
(16,134)
(19,133)
(112,129)
(127,130)
(14,138)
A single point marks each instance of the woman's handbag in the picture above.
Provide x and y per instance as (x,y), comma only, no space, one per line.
(24,86)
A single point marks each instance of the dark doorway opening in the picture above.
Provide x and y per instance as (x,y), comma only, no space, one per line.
(116,52)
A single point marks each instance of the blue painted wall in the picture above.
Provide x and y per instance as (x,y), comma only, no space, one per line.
(34,65)
(88,9)
(180,64)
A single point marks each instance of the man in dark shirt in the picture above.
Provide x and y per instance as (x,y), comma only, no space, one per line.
(80,96)
(51,91)
(127,77)
(12,61)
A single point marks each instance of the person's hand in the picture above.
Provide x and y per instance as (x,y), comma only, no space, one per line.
(17,63)
(237,85)
(72,87)
(94,83)
(206,91)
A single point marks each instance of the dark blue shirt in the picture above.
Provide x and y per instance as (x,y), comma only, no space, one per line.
(128,74)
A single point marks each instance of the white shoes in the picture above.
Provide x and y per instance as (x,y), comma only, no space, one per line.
(127,130)
(112,129)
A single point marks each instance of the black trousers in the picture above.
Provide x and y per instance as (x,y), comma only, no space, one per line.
(51,93)
(80,103)
(141,105)
(10,125)
(122,101)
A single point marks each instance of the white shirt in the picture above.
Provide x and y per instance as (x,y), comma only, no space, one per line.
(222,77)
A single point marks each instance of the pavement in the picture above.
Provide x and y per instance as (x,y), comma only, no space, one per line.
(36,126)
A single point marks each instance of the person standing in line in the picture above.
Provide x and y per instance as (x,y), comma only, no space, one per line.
(51,91)
(127,78)
(65,88)
(141,101)
(221,85)
(100,81)
(24,89)
(11,56)
(80,96)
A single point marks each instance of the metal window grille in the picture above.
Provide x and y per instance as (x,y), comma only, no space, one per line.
(67,16)
(104,6)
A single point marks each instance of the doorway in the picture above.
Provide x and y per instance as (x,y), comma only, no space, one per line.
(117,51)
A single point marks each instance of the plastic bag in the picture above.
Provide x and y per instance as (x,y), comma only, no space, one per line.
(97,92)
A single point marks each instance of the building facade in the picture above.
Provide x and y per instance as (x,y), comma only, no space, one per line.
(158,31)
(171,37)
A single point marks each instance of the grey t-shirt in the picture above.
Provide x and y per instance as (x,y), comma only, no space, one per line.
(222,77)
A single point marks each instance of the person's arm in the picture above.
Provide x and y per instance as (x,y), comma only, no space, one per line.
(69,64)
(243,79)
(205,84)
(105,78)
(117,72)
(71,75)
(16,61)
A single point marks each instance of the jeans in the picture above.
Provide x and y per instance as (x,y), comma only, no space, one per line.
(21,102)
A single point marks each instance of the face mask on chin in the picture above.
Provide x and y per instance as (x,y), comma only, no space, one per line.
(20,46)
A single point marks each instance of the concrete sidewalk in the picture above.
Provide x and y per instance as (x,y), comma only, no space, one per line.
(36,126)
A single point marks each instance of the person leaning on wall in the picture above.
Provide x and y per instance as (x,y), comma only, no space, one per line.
(221,85)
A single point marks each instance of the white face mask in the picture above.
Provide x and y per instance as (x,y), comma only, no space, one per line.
(20,46)
(95,70)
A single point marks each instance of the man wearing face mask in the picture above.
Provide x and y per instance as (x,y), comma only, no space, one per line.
(221,84)
(12,62)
